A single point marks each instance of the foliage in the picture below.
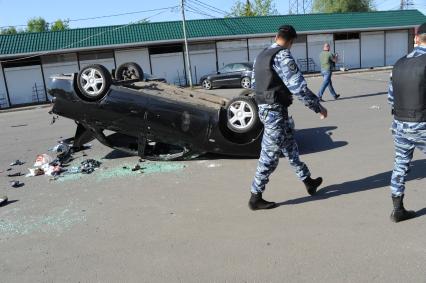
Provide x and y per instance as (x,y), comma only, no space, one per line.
(342,6)
(9,30)
(37,25)
(249,8)
(60,25)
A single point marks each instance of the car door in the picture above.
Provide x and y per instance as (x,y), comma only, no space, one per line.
(238,70)
(224,76)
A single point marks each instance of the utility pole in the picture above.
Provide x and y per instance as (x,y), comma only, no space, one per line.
(188,60)
(405,4)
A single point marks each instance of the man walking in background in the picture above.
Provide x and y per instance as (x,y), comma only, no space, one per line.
(327,60)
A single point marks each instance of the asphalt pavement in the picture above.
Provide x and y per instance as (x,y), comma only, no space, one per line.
(189,221)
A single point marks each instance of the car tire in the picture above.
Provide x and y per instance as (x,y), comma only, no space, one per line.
(207,84)
(129,71)
(246,82)
(93,82)
(247,92)
(242,114)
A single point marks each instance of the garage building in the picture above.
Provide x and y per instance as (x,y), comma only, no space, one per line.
(362,40)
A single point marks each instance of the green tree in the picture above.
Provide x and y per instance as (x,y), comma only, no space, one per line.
(37,25)
(249,8)
(9,30)
(60,25)
(342,6)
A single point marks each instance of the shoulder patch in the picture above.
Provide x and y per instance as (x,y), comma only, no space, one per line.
(293,66)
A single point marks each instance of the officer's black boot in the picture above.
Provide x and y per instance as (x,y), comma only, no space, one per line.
(399,213)
(312,185)
(256,202)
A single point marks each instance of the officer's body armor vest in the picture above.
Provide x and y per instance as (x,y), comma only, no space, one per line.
(409,88)
(270,88)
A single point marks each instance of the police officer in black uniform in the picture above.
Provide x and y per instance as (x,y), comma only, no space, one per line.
(407,95)
(276,78)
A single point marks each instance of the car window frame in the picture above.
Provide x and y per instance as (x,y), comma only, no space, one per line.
(230,70)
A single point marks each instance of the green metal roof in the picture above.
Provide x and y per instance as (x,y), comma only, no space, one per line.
(96,37)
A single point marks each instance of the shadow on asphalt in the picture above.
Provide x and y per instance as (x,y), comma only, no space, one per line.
(317,140)
(368,183)
(359,96)
(9,202)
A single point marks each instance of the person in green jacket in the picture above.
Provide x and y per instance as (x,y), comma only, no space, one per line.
(327,60)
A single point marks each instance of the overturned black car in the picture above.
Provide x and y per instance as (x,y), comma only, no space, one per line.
(154,120)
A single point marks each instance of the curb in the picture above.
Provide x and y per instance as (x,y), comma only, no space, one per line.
(32,107)
(356,71)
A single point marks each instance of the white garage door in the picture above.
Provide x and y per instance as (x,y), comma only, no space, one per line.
(169,66)
(56,69)
(108,63)
(203,60)
(372,49)
(232,52)
(139,56)
(257,45)
(3,94)
(25,84)
(396,46)
(315,46)
(349,54)
(298,50)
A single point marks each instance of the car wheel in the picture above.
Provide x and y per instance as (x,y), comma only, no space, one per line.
(242,114)
(247,92)
(129,71)
(93,82)
(207,84)
(246,82)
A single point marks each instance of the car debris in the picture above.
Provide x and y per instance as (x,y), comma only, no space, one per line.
(137,168)
(42,159)
(18,174)
(35,172)
(3,200)
(88,166)
(18,126)
(16,184)
(17,163)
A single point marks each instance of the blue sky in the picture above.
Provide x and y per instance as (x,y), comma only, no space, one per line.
(17,12)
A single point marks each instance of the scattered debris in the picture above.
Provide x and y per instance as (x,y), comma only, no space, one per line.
(9,169)
(18,126)
(35,172)
(17,163)
(54,118)
(53,170)
(375,107)
(3,200)
(42,159)
(18,174)
(16,184)
(89,166)
(142,160)
(137,168)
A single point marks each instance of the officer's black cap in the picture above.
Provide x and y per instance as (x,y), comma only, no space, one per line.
(422,29)
(287,32)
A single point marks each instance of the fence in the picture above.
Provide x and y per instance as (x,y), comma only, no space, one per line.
(39,94)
